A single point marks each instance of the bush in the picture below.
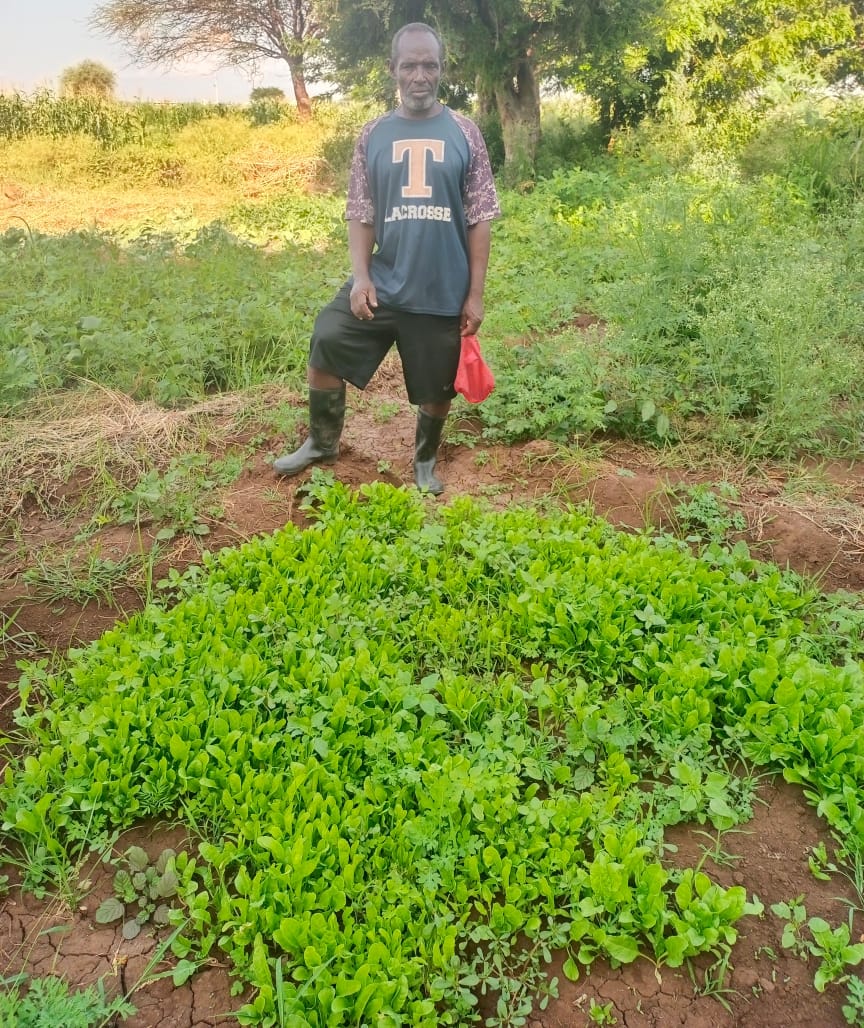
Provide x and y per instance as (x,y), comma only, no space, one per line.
(89,78)
(570,135)
(266,93)
(818,147)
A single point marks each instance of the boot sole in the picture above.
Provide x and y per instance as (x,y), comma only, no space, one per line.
(290,473)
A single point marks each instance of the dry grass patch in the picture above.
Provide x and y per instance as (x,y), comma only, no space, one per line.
(78,433)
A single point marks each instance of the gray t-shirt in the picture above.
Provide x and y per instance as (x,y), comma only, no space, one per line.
(421,182)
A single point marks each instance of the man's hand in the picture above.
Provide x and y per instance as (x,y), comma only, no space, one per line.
(364,299)
(472,316)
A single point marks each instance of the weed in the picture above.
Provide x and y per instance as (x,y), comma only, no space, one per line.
(715,853)
(713,981)
(853,1008)
(385,411)
(832,946)
(182,498)
(602,1013)
(142,887)
(57,575)
(14,639)
(704,513)
(51,1001)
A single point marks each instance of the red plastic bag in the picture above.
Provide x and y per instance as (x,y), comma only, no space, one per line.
(474,379)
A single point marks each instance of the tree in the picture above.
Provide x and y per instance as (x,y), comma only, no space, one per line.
(501,49)
(266,93)
(240,32)
(698,57)
(725,47)
(89,78)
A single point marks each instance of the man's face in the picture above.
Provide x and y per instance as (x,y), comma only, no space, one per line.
(417,70)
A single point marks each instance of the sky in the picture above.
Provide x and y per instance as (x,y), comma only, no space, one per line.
(40,38)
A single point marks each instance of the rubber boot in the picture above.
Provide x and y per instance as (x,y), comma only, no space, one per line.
(326,418)
(426,443)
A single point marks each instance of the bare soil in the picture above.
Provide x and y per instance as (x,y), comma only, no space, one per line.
(808,518)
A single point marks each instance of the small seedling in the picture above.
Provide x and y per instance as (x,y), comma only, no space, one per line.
(835,951)
(141,892)
(832,946)
(386,411)
(602,1013)
(819,864)
(794,913)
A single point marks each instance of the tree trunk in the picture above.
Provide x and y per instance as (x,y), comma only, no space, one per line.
(298,83)
(518,102)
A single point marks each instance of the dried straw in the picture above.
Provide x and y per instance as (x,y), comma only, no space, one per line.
(97,426)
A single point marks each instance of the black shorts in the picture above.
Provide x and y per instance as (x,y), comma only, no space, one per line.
(428,344)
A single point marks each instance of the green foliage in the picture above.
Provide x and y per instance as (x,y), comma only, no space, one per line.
(180,499)
(853,1008)
(141,889)
(694,61)
(726,307)
(89,78)
(545,389)
(427,746)
(49,1001)
(721,298)
(266,93)
(817,145)
(704,514)
(56,575)
(113,124)
(831,946)
(570,136)
(269,111)
(208,313)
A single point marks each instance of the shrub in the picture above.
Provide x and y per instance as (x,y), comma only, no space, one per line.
(89,78)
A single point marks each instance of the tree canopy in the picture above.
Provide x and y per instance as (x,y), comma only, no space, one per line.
(627,54)
(498,49)
(89,78)
(239,32)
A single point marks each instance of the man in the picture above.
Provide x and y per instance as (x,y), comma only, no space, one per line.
(420,202)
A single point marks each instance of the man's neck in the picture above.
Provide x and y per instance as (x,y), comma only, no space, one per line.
(403,112)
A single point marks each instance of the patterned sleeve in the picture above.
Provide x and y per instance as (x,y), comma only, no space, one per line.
(360,206)
(481,199)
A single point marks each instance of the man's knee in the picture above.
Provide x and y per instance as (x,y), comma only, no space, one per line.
(320,379)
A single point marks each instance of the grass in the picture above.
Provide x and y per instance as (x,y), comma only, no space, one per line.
(56,575)
(729,308)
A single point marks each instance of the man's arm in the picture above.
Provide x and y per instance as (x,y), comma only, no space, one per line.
(361,243)
(479,241)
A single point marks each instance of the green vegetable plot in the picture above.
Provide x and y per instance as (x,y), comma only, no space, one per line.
(425,747)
